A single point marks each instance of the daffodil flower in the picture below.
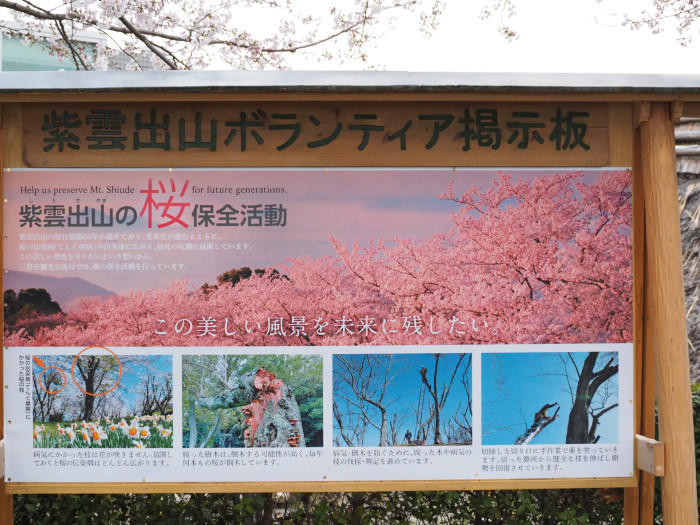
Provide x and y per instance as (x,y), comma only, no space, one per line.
(132,431)
(85,436)
(98,435)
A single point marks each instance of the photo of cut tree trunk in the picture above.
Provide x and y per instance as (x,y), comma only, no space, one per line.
(391,400)
(550,398)
(245,401)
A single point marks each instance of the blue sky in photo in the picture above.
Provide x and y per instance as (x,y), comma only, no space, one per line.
(404,389)
(517,385)
(134,367)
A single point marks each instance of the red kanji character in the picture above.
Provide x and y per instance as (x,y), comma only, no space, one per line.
(152,204)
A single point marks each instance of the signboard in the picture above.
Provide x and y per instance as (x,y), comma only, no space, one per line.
(317,324)
(315,134)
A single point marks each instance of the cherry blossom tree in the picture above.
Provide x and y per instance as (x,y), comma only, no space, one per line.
(656,15)
(547,261)
(683,14)
(193,34)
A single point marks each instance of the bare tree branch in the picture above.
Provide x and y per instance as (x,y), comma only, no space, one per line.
(147,42)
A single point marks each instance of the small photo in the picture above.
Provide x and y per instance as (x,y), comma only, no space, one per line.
(551,398)
(100,400)
(243,401)
(401,400)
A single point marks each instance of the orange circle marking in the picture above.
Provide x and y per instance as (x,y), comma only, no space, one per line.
(65,380)
(75,360)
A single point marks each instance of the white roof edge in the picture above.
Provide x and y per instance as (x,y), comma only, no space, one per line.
(53,81)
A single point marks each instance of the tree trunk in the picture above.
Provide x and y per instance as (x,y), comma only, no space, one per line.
(272,415)
(383,431)
(193,425)
(578,429)
(89,377)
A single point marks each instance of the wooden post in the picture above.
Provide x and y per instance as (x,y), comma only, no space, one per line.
(633,495)
(5,499)
(666,317)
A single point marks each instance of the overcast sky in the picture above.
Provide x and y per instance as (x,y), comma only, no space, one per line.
(554,36)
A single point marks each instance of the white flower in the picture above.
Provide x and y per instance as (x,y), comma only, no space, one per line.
(132,431)
(85,435)
(98,435)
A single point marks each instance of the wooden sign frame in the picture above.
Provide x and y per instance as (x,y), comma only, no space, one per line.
(639,133)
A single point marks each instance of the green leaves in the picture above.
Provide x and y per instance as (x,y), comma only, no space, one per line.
(505,507)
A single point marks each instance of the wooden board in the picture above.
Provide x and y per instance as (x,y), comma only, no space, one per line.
(310,486)
(379,151)
(315,134)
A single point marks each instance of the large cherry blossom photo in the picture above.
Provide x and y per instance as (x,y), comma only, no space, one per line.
(344,257)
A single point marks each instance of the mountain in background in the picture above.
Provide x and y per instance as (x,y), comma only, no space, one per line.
(63,290)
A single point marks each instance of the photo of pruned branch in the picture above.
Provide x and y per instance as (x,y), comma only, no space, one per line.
(391,400)
(550,398)
(242,401)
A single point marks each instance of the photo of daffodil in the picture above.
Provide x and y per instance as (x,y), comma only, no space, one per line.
(102,401)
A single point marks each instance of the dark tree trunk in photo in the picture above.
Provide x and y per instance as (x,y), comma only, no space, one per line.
(51,381)
(578,429)
(88,371)
(93,370)
(272,415)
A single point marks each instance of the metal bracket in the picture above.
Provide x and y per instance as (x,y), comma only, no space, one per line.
(650,455)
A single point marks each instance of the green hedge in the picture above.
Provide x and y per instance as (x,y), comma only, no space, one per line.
(503,507)
(507,507)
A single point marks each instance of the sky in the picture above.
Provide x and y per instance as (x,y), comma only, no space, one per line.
(403,390)
(585,36)
(517,385)
(128,391)
(364,205)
